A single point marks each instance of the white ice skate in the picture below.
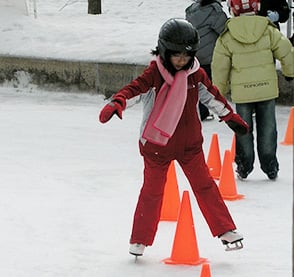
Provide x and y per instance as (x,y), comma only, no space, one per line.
(209,117)
(137,249)
(232,240)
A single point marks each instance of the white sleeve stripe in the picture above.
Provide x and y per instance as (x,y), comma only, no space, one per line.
(208,99)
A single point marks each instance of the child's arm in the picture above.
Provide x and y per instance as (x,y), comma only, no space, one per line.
(210,96)
(221,67)
(118,101)
(283,51)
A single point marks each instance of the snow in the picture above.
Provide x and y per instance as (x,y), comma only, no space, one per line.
(123,33)
(69,185)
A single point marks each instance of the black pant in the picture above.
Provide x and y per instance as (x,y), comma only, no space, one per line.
(266,137)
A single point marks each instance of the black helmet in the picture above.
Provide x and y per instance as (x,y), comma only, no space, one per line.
(177,35)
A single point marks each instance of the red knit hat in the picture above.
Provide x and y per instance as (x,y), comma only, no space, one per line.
(243,7)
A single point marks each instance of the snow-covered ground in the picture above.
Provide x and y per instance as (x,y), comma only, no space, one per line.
(125,32)
(69,186)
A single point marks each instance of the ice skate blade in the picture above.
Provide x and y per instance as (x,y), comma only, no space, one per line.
(136,258)
(241,178)
(236,245)
(136,255)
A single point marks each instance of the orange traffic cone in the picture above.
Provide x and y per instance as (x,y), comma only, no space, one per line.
(213,159)
(205,270)
(288,140)
(171,198)
(227,183)
(185,247)
(233,148)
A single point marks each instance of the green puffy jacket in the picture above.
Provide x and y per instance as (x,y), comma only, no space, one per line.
(243,59)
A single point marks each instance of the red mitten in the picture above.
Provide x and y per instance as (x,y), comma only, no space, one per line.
(236,123)
(116,106)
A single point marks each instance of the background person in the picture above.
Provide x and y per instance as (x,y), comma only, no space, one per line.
(208,17)
(278,11)
(244,57)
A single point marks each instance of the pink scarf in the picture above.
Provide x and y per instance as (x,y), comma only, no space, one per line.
(169,104)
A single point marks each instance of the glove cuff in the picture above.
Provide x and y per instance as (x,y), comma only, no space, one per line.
(120,100)
(227,117)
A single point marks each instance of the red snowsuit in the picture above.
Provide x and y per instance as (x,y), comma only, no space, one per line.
(185,146)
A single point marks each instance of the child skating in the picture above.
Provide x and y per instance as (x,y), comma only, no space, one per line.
(171,87)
